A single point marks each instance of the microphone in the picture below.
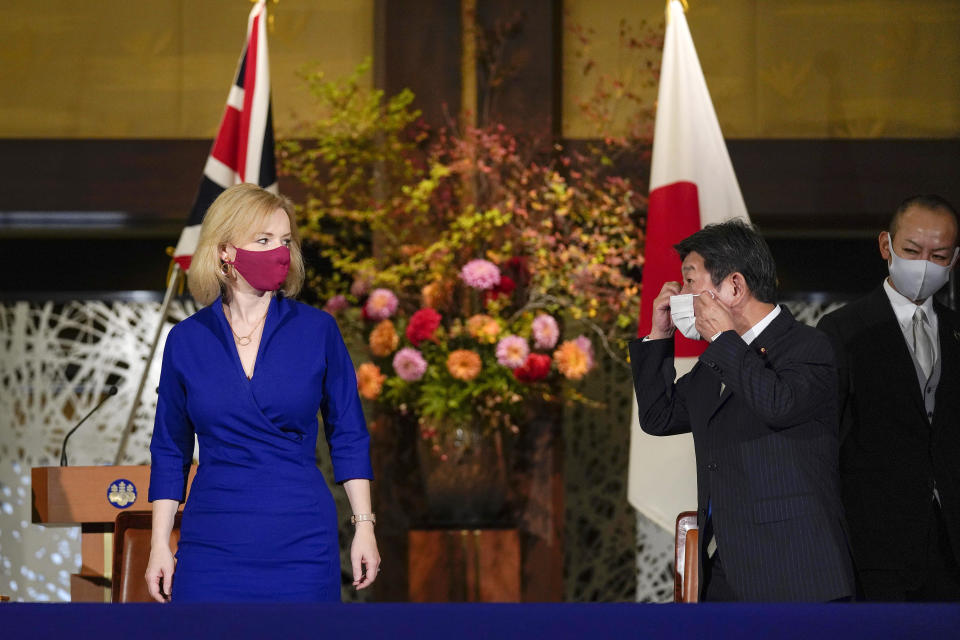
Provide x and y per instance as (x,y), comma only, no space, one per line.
(111,391)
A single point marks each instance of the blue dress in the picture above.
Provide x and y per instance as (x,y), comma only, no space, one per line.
(260,524)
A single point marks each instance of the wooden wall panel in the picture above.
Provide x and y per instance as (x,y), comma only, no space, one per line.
(827,198)
(830,186)
(153,180)
(417,46)
(475,565)
(528,102)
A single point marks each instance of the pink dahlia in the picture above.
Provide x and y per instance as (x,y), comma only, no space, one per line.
(512,352)
(336,304)
(409,364)
(381,304)
(545,332)
(480,274)
(361,285)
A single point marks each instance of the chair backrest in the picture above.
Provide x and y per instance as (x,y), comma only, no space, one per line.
(131,551)
(686,561)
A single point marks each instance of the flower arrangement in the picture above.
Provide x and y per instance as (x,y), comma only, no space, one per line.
(455,366)
(475,274)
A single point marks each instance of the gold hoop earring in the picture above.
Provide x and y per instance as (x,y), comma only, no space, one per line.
(225,269)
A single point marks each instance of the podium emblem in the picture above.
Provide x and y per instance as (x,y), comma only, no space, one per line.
(122,493)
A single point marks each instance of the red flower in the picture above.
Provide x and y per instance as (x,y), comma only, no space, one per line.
(505,288)
(518,267)
(518,262)
(422,325)
(536,368)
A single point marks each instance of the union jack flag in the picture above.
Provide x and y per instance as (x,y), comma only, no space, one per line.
(243,149)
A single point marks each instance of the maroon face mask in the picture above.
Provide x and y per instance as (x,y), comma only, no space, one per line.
(264,270)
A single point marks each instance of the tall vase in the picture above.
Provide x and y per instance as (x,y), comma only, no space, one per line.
(465,478)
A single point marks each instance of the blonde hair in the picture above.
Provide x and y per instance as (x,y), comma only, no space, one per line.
(229,219)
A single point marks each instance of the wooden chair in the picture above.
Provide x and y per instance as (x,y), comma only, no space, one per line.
(131,551)
(686,561)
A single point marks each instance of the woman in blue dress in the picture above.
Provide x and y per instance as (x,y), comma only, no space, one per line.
(248,375)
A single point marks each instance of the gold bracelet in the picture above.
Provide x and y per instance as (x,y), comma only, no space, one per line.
(363,517)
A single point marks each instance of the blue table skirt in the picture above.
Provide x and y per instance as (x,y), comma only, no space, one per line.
(465,621)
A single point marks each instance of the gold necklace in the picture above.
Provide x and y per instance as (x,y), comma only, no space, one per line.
(245,340)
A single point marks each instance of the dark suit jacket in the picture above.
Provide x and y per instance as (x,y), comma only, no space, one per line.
(766,454)
(890,453)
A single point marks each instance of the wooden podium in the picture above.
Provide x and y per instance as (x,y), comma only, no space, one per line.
(90,497)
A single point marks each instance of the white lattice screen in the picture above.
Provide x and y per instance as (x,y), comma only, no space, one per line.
(56,361)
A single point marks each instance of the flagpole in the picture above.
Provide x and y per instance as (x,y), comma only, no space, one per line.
(686,7)
(224,170)
(172,284)
(270,23)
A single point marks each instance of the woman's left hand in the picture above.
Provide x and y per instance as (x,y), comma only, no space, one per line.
(364,555)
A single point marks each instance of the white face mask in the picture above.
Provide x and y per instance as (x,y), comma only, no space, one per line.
(681,311)
(918,279)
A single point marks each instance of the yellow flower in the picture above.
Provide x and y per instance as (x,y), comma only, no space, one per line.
(370,380)
(490,331)
(475,323)
(572,361)
(464,364)
(384,339)
(484,328)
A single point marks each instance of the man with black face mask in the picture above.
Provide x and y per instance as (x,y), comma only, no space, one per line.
(761,405)
(898,354)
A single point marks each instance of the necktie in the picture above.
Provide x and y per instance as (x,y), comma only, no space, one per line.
(922,344)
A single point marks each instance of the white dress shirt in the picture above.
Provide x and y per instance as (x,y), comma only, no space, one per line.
(752,333)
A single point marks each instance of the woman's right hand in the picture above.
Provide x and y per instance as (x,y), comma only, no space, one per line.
(160,573)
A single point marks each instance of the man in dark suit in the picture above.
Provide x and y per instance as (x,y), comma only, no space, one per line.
(898,354)
(761,407)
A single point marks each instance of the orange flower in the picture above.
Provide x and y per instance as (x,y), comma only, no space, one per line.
(483,328)
(464,364)
(435,295)
(572,361)
(370,380)
(384,339)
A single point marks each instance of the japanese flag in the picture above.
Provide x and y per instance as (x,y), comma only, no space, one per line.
(692,184)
